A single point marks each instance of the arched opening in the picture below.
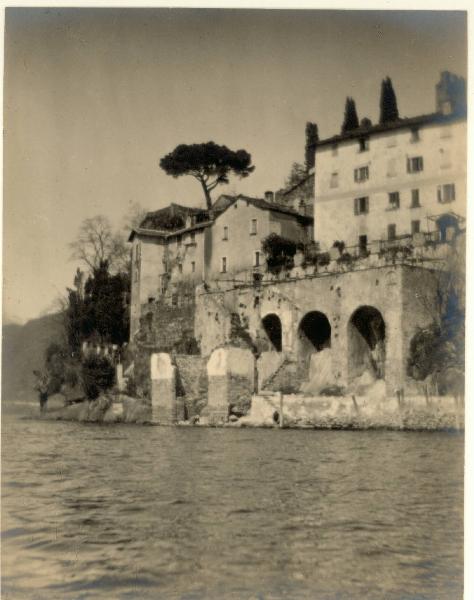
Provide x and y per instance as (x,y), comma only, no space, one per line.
(314,332)
(272,327)
(366,343)
(448,227)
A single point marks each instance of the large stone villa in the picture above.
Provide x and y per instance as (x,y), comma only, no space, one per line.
(372,225)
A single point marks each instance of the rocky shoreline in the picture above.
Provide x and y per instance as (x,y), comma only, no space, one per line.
(299,412)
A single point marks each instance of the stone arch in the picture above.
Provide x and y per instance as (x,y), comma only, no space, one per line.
(271,324)
(448,226)
(366,343)
(314,333)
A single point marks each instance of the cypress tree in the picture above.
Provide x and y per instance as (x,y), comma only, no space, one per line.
(351,120)
(310,150)
(388,102)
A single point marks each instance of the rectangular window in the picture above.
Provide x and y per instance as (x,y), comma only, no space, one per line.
(415,164)
(257,259)
(361,206)
(394,200)
(362,243)
(225,234)
(361,174)
(391,232)
(179,240)
(224,265)
(415,227)
(363,144)
(415,199)
(334,180)
(180,268)
(446,193)
(253,227)
(415,135)
(193,266)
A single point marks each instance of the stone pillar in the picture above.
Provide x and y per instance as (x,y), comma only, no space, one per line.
(230,373)
(164,405)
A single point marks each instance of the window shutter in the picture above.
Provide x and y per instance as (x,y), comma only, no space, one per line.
(356,206)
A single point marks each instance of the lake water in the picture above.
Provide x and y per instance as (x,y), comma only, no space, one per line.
(123,511)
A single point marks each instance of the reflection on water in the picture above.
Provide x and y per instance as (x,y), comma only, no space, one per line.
(148,512)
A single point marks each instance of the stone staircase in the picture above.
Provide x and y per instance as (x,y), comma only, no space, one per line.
(288,378)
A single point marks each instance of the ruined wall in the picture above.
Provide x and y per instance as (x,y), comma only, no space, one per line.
(192,383)
(420,309)
(163,328)
(391,290)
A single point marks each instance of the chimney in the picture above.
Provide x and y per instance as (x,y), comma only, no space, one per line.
(451,94)
(269,196)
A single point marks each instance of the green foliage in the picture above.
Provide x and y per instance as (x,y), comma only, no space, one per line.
(388,102)
(279,252)
(209,163)
(98,375)
(351,120)
(101,312)
(312,137)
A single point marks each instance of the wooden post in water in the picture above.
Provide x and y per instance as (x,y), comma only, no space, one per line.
(400,413)
(354,402)
(427,397)
(281,409)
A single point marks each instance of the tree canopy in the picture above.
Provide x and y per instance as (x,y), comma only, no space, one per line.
(388,102)
(209,163)
(351,120)
(311,134)
(99,309)
(96,242)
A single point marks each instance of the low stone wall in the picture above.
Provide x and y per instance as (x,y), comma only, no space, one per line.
(331,412)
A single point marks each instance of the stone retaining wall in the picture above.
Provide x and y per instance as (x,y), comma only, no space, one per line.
(334,412)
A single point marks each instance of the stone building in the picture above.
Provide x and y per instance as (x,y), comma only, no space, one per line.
(335,316)
(389,181)
(178,245)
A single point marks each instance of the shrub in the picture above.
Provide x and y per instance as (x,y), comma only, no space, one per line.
(279,252)
(323,259)
(98,375)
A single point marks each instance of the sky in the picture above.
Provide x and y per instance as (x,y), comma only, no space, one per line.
(93,98)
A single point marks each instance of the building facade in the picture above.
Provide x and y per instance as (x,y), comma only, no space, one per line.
(390,181)
(179,246)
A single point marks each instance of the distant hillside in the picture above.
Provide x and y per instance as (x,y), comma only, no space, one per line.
(23,349)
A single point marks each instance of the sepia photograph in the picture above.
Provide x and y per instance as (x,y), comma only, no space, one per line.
(234,303)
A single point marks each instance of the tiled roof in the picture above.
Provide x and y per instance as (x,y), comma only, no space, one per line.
(273,206)
(152,224)
(399,124)
(172,217)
